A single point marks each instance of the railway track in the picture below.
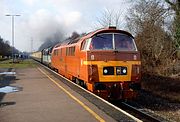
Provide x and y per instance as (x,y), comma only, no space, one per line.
(144,116)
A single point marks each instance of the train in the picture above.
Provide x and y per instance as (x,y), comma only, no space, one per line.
(105,61)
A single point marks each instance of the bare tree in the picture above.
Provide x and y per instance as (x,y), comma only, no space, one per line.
(146,20)
(110,18)
(175,6)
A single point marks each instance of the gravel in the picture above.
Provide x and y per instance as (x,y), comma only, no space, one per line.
(162,107)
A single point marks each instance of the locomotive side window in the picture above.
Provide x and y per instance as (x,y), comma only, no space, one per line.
(67,51)
(102,42)
(85,44)
(124,43)
(61,51)
(70,51)
(56,52)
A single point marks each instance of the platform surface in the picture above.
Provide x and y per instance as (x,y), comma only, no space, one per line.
(41,100)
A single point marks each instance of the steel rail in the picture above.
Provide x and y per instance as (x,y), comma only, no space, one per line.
(145,117)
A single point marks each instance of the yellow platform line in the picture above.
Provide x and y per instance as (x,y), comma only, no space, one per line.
(73,97)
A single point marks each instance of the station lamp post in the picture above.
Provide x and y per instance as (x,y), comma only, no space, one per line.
(12,18)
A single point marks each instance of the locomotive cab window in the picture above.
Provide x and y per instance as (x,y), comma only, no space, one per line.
(124,42)
(102,42)
(112,41)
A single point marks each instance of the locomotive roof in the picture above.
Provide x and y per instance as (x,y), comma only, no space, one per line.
(69,41)
(108,30)
(91,34)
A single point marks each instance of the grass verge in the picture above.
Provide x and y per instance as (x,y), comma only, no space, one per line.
(18,64)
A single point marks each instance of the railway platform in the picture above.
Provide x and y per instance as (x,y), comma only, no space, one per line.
(44,98)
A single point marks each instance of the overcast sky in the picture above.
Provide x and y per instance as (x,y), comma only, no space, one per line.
(41,18)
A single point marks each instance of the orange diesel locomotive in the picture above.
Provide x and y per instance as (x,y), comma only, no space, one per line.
(105,61)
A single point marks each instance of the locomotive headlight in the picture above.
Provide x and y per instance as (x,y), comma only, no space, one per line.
(108,70)
(124,71)
(105,71)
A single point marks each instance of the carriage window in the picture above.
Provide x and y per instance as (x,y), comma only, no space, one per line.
(124,43)
(102,42)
